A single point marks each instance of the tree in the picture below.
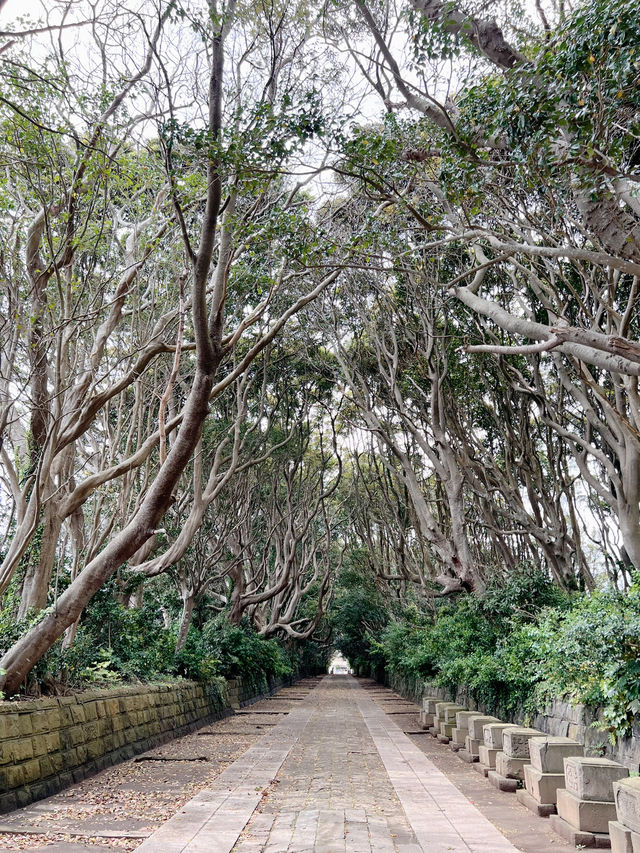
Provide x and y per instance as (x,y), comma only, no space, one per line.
(209,195)
(526,207)
(465,295)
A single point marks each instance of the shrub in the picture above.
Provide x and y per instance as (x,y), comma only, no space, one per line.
(357,617)
(592,655)
(242,652)
(524,643)
(116,644)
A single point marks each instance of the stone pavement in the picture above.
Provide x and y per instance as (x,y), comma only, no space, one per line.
(323,766)
(115,810)
(336,774)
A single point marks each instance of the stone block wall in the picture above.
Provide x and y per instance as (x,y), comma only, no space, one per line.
(48,744)
(414,688)
(245,692)
(581,723)
(577,722)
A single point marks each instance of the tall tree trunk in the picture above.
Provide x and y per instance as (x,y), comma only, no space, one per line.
(35,586)
(629,501)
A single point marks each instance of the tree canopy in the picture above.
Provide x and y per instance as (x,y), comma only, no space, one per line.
(313,308)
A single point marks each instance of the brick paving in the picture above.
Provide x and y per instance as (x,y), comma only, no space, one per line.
(335,775)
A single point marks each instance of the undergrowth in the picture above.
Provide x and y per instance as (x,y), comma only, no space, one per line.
(519,646)
(116,644)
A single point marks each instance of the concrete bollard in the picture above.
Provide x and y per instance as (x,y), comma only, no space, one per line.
(428,712)
(461,731)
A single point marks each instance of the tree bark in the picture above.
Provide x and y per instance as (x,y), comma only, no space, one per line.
(35,586)
(188,603)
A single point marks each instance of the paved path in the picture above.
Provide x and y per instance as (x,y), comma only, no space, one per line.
(335,774)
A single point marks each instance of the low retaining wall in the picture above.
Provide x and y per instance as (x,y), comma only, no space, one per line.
(241,692)
(558,718)
(48,744)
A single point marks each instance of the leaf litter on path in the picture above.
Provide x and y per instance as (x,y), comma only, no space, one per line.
(135,796)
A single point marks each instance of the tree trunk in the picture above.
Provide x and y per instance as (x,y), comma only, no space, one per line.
(629,501)
(188,603)
(23,656)
(236,609)
(136,598)
(35,586)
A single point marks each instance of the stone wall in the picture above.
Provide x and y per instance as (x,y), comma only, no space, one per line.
(241,692)
(558,718)
(48,744)
(414,688)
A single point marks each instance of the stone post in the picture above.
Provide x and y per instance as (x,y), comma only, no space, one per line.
(439,718)
(625,831)
(487,752)
(461,731)
(475,736)
(448,723)
(510,762)
(428,713)
(545,775)
(586,805)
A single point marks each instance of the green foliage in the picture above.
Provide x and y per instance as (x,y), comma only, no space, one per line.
(242,652)
(585,82)
(102,671)
(310,657)
(524,643)
(435,39)
(115,644)
(469,640)
(112,643)
(592,655)
(358,614)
